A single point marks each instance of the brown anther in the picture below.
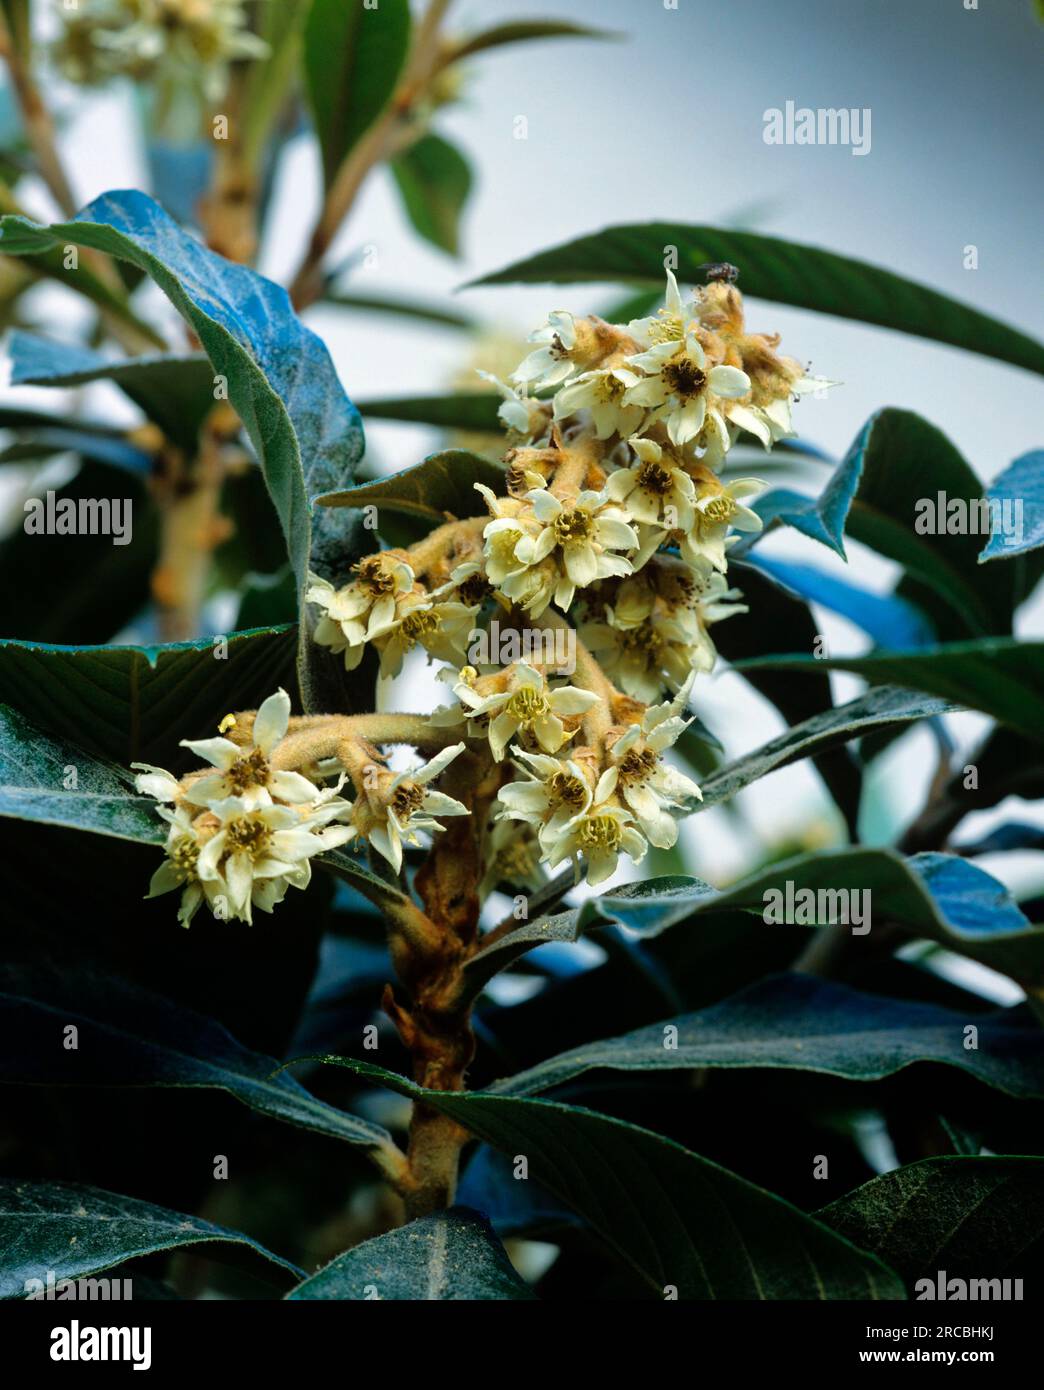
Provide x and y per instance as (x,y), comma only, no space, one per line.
(684,377)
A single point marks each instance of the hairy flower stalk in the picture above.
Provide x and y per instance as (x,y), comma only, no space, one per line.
(603,560)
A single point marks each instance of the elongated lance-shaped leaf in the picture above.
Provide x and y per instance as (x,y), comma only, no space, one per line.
(74,1232)
(175,392)
(937,896)
(882,708)
(887,618)
(353,54)
(1000,676)
(894,491)
(130,1036)
(443,483)
(434,180)
(953,1217)
(785,271)
(796,1022)
(525,31)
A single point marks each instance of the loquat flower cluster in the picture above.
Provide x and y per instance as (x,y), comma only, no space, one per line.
(613,529)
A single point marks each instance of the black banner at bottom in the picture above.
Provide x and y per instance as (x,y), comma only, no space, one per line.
(267,1337)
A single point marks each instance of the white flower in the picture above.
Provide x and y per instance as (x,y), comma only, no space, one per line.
(642,660)
(654,491)
(156,782)
(528,705)
(668,324)
(580,536)
(258,852)
(677,384)
(236,857)
(395,808)
(178,869)
(244,772)
(552,791)
(716,513)
(771,420)
(602,392)
(441,626)
(552,361)
(646,643)
(600,835)
(352,615)
(524,417)
(649,786)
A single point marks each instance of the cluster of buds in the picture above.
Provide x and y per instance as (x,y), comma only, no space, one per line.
(187,41)
(612,531)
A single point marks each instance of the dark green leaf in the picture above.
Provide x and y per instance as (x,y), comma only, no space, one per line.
(971,1218)
(57,784)
(130,1036)
(78,1231)
(525,29)
(1000,676)
(938,896)
(352,871)
(93,446)
(881,708)
(49,263)
(779,620)
(675,1218)
(443,483)
(886,494)
(434,180)
(464,410)
(268,85)
(174,392)
(452,1255)
(280,378)
(561,927)
(268,599)
(353,55)
(784,271)
(1011,835)
(402,308)
(515,1206)
(134,704)
(797,1022)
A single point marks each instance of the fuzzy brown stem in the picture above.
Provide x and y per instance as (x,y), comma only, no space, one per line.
(434,1161)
